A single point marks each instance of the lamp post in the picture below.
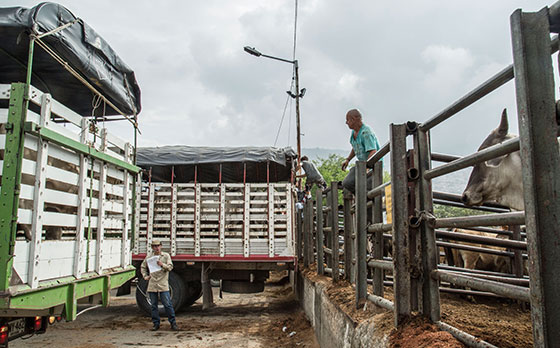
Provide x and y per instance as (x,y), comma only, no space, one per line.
(253,51)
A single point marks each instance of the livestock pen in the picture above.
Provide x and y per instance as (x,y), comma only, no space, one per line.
(417,273)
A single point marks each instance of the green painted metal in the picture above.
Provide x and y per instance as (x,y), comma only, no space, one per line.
(59,139)
(69,293)
(11,178)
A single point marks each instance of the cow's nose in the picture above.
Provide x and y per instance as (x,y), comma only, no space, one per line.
(464,198)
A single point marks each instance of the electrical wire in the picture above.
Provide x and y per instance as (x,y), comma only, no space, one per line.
(282,120)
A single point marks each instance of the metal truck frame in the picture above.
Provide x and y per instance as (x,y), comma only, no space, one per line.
(234,232)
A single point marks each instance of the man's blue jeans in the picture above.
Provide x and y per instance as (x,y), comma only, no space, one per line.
(166,301)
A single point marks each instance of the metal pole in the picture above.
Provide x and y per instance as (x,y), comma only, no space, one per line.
(349,238)
(361,240)
(534,83)
(399,195)
(378,236)
(334,231)
(319,239)
(430,252)
(296,67)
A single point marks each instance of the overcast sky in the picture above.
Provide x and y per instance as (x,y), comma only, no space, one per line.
(394,60)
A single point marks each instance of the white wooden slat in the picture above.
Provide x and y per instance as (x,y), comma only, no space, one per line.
(21,258)
(127,194)
(137,220)
(197,221)
(66,113)
(59,219)
(100,219)
(246,215)
(38,196)
(115,140)
(5,91)
(3,115)
(32,117)
(67,132)
(173,222)
(150,229)
(56,259)
(115,155)
(222,219)
(35,95)
(79,253)
(289,217)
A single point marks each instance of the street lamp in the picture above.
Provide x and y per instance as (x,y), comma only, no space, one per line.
(253,51)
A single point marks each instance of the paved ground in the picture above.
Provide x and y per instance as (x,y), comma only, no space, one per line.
(269,319)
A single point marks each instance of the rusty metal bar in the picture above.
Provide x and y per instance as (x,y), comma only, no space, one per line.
(349,237)
(506,290)
(508,280)
(515,218)
(399,195)
(379,227)
(457,198)
(381,302)
(379,154)
(379,189)
(494,151)
(429,249)
(361,222)
(464,337)
(474,249)
(536,109)
(334,242)
(493,241)
(381,264)
(319,238)
(378,241)
(440,157)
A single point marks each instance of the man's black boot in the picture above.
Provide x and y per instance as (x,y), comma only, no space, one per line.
(156,327)
(174,327)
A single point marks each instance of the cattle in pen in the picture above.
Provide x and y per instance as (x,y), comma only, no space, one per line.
(499,179)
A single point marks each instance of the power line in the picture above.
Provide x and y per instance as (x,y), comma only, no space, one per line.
(282,120)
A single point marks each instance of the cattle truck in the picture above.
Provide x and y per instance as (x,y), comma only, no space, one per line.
(223,214)
(67,182)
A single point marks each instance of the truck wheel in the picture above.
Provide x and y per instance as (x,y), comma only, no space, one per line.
(176,290)
(193,292)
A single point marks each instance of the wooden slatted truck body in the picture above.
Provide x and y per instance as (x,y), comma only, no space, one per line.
(66,182)
(213,224)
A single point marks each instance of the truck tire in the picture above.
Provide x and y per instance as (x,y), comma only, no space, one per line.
(193,292)
(176,289)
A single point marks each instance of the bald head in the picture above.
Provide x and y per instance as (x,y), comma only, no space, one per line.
(354,113)
(354,119)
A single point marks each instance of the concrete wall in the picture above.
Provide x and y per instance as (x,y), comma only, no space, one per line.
(333,327)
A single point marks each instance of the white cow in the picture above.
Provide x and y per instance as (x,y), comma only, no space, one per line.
(499,179)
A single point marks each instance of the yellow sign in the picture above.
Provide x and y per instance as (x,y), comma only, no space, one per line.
(388,204)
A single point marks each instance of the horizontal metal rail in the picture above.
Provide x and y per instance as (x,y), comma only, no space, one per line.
(381,302)
(475,249)
(378,191)
(380,227)
(509,280)
(378,155)
(514,218)
(327,250)
(472,271)
(461,205)
(493,241)
(440,157)
(494,151)
(464,337)
(457,198)
(386,265)
(506,290)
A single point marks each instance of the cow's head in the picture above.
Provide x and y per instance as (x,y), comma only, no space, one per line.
(488,179)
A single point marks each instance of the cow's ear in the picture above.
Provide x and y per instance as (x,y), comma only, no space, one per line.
(494,162)
(503,127)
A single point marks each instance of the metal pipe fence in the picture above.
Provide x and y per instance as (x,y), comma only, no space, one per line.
(417,273)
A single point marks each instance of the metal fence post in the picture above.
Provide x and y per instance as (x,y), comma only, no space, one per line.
(299,234)
(349,238)
(429,250)
(361,232)
(378,236)
(309,235)
(328,230)
(319,239)
(335,244)
(534,83)
(305,234)
(401,257)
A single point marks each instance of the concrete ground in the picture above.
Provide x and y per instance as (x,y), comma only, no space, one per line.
(269,319)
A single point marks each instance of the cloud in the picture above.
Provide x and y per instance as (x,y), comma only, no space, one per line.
(449,67)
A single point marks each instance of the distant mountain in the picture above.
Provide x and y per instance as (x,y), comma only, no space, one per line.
(317,152)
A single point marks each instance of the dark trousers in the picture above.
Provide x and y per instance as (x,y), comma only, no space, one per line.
(166,301)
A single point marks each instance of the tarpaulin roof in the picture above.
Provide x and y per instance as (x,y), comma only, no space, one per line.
(78,45)
(215,164)
(180,155)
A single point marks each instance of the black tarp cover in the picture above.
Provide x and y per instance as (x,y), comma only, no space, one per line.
(79,45)
(210,160)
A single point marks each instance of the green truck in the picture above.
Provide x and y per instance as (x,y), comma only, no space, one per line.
(67,183)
